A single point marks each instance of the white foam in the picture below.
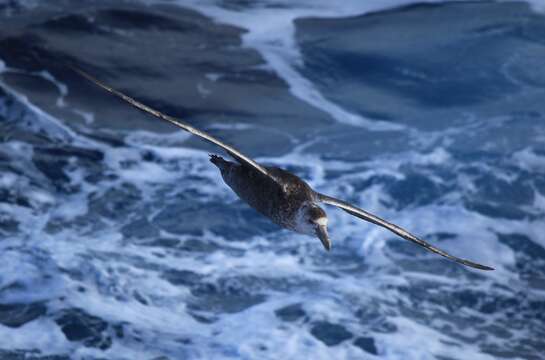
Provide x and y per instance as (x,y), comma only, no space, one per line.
(231,126)
(166,141)
(527,159)
(42,121)
(62,88)
(7,180)
(537,5)
(63,92)
(88,117)
(425,343)
(203,91)
(213,76)
(41,334)
(28,275)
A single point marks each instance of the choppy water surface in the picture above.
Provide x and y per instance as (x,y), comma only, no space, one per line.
(120,241)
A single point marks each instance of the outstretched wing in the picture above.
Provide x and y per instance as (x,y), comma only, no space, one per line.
(241,158)
(362,214)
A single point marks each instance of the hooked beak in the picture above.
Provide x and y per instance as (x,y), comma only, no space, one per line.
(321,232)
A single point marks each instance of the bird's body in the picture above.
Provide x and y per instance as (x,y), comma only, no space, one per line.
(278,194)
(280,199)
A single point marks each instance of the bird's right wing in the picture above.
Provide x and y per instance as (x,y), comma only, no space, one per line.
(362,214)
(241,158)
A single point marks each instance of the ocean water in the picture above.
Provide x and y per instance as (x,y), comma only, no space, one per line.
(119,240)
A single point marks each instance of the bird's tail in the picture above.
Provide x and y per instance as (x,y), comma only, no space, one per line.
(218,161)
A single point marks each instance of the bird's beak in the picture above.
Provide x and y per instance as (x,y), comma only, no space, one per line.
(321,232)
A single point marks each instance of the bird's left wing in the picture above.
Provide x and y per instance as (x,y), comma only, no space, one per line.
(241,158)
(362,214)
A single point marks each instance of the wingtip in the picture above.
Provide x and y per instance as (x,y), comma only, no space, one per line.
(478,266)
(487,268)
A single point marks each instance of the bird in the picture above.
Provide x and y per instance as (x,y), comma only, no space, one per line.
(278,194)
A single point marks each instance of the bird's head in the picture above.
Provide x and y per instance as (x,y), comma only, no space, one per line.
(313,221)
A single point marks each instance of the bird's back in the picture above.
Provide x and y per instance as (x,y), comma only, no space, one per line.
(278,198)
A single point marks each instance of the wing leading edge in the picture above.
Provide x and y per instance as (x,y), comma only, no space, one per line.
(362,214)
(241,158)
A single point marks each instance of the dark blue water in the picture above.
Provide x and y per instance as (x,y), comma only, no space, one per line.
(119,239)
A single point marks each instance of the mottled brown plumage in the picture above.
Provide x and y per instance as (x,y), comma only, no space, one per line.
(279,199)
